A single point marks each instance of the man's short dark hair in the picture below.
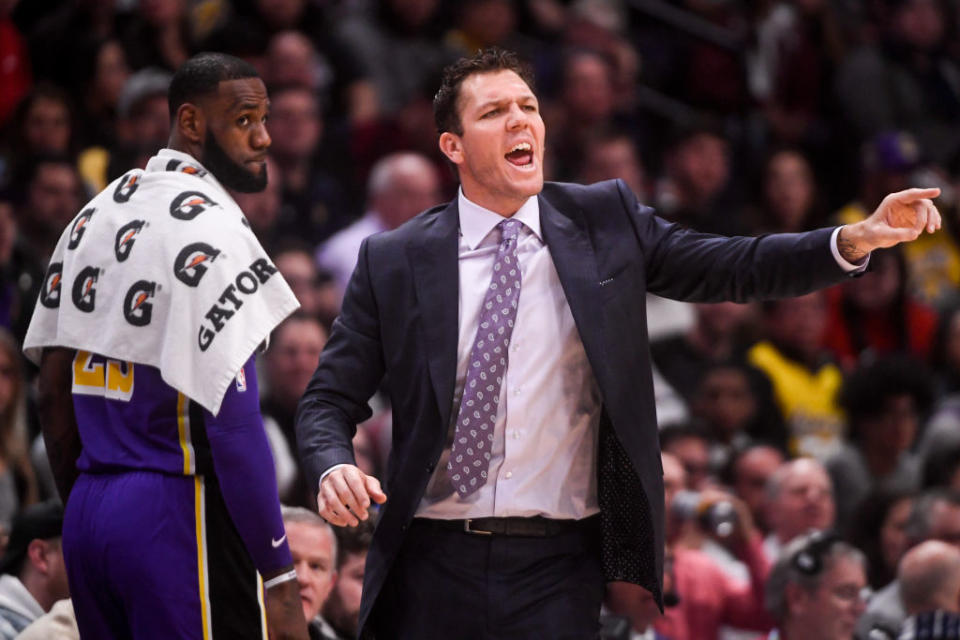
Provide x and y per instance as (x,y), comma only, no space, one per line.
(41,521)
(445,102)
(29,169)
(354,540)
(202,74)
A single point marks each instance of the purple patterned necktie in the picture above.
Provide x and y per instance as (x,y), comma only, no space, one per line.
(473,438)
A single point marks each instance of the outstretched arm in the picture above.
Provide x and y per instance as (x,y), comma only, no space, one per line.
(687,265)
(901,217)
(57,419)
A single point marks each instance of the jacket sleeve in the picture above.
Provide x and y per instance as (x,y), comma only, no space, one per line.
(683,264)
(349,372)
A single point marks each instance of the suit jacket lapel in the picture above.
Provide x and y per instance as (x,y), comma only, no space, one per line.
(433,258)
(573,256)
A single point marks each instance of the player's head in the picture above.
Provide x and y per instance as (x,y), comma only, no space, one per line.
(491,129)
(218,110)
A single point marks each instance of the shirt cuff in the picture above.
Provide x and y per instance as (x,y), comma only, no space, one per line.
(328,471)
(849,267)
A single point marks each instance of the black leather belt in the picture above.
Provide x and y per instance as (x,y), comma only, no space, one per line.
(534,527)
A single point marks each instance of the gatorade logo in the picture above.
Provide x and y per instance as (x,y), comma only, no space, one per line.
(185,167)
(50,291)
(189,204)
(79,227)
(128,185)
(136,308)
(193,170)
(126,236)
(192,262)
(84,291)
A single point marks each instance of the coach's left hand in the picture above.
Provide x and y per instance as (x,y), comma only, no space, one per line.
(901,217)
(285,613)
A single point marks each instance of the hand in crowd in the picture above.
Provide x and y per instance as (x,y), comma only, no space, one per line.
(744,528)
(901,217)
(345,495)
(285,613)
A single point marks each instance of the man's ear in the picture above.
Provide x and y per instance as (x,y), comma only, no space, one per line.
(452,146)
(191,123)
(37,554)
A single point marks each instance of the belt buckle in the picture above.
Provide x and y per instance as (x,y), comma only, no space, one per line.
(478,532)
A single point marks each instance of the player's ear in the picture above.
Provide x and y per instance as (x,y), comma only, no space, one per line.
(452,146)
(191,122)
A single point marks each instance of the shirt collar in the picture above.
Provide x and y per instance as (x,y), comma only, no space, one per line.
(476,222)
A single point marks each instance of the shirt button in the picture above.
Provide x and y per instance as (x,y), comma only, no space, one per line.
(508,475)
(517,391)
(516,435)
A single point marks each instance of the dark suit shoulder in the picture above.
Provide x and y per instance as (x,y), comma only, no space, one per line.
(582,192)
(599,198)
(415,228)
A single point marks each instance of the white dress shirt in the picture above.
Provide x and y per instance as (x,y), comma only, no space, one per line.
(545,437)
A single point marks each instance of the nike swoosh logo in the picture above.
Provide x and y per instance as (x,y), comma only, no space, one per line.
(277,543)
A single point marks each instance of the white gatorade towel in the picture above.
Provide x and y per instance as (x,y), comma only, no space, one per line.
(162,269)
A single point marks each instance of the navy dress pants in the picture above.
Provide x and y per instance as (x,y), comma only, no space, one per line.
(448,584)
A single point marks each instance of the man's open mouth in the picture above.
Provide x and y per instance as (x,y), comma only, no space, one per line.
(521,155)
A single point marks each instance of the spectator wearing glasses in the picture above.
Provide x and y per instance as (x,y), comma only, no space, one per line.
(816,589)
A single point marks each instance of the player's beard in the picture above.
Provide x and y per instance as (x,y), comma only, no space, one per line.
(229,173)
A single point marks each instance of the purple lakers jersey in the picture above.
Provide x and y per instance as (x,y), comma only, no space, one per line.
(129,418)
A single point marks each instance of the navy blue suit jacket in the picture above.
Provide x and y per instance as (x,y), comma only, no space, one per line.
(399,320)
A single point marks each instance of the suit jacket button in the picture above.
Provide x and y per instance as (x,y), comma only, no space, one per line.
(429,468)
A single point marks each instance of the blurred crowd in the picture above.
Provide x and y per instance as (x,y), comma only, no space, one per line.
(837,412)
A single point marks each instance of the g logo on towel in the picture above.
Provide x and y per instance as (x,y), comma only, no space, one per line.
(136,309)
(191,262)
(185,167)
(126,236)
(79,227)
(84,293)
(50,291)
(127,186)
(189,204)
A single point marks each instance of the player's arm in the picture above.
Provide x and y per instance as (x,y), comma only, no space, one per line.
(57,420)
(245,472)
